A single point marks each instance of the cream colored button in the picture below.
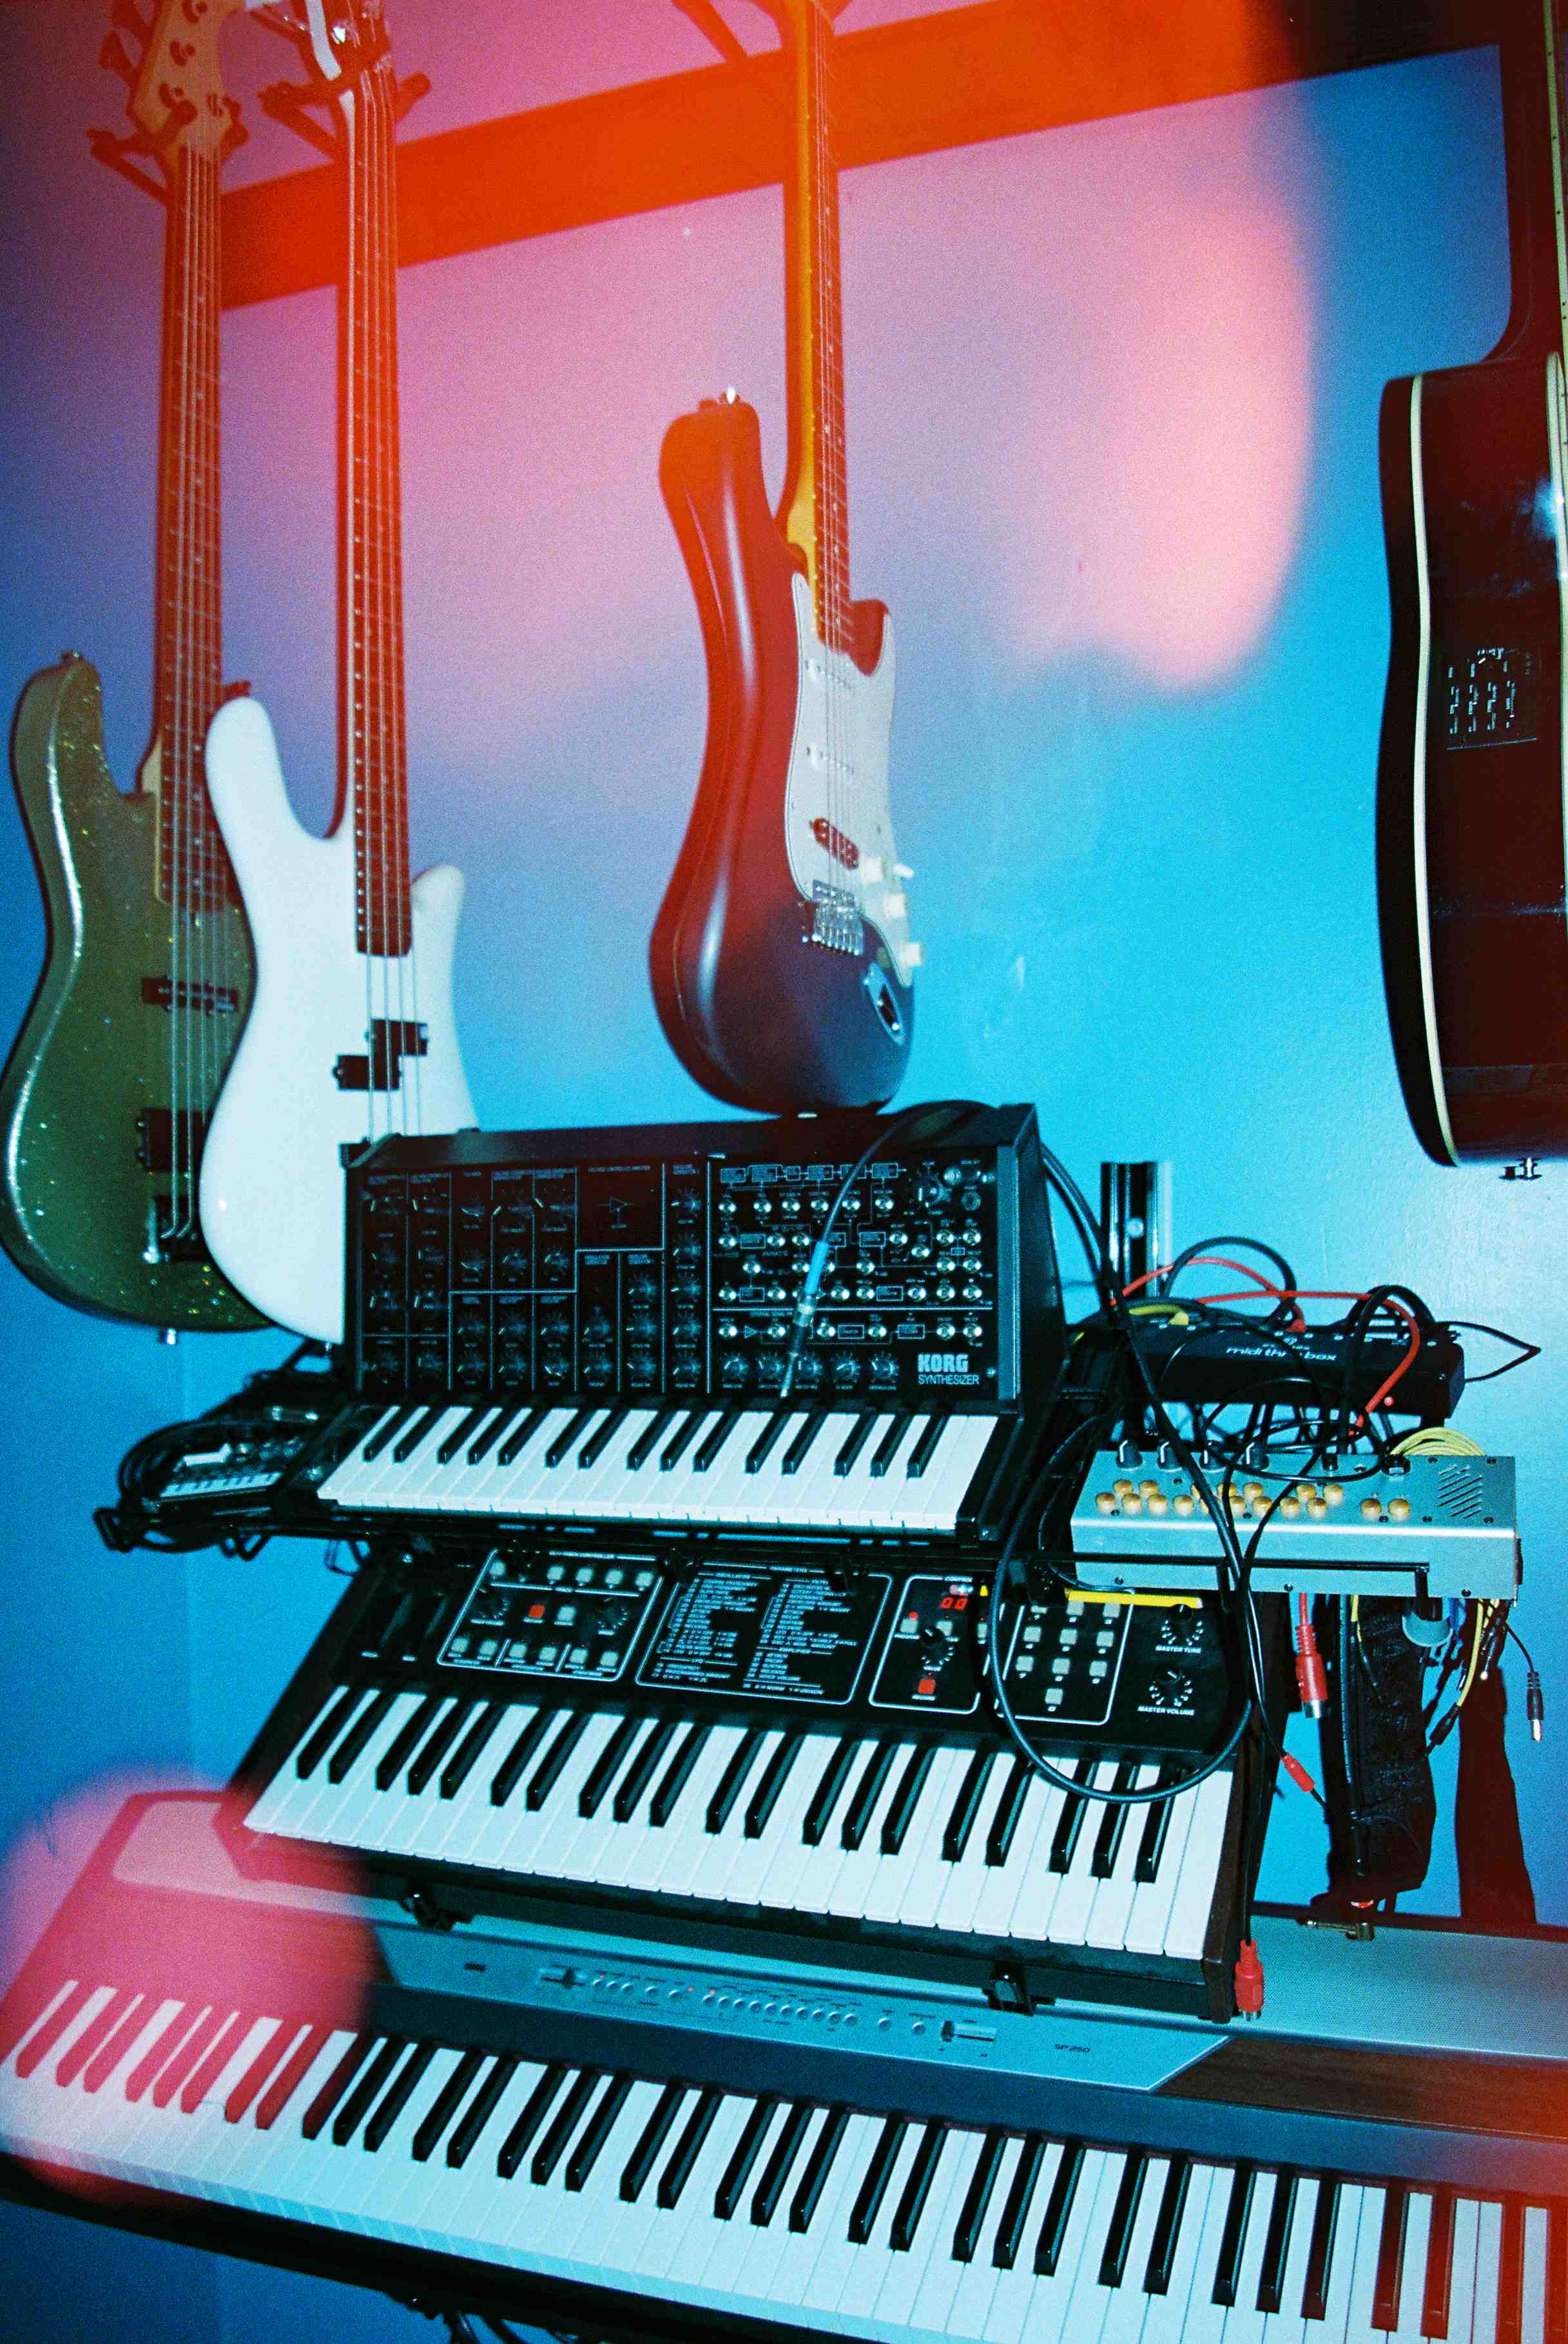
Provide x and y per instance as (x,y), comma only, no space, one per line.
(1132,1503)
(1184,1503)
(1160,1503)
(1105,1500)
(1399,1509)
(1316,1508)
(1372,1512)
(1291,1508)
(1335,1492)
(1306,1491)
(1122,1488)
(1149,1489)
(1252,1491)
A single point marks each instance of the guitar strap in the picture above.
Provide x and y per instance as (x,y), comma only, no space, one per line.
(1494,1887)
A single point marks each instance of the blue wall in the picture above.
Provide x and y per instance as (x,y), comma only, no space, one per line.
(1113,394)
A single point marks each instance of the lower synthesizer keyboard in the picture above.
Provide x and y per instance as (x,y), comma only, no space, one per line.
(606,2169)
(741,1748)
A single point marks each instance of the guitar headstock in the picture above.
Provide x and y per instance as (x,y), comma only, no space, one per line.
(338,40)
(177,94)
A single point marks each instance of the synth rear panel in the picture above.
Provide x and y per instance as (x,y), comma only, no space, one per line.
(664,1262)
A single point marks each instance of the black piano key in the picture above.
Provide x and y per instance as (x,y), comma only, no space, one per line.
(773,1777)
(537,2107)
(545,1775)
(767,1440)
(854,1441)
(596,2131)
(1555,2330)
(334,1718)
(406,1741)
(1510,2317)
(1009,1807)
(1113,1823)
(447,2101)
(461,1766)
(265,2061)
(1058,2208)
(1123,2215)
(514,1766)
(607,1765)
(648,1439)
(977,2198)
(195,2047)
(464,1431)
(1321,2252)
(518,1439)
(383,1435)
(563,2126)
(819,2165)
(1070,1822)
(966,1806)
(144,2073)
(906,1796)
(677,1774)
(878,2173)
(742,1759)
(112,2048)
(1020,2196)
(629,1791)
(867,1791)
(650,2141)
(109,2020)
(418,1431)
(397,2096)
(367,2090)
(54,2026)
(680,1440)
(800,1448)
(683,2155)
(598,1439)
(737,2173)
(470,2125)
(1391,2257)
(279,2093)
(437,1745)
(924,1449)
(369,1721)
(776,2172)
(1276,2243)
(828,1791)
(887,1448)
(566,1440)
(219,2052)
(911,2204)
(336,2084)
(1168,2227)
(1233,2238)
(1157,1825)
(494,1424)
(708,1448)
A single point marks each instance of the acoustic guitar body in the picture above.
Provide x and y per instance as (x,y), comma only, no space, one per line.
(761,1011)
(1471,884)
(89,1209)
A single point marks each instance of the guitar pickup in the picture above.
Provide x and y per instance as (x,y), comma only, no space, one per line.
(158,1130)
(380,1068)
(183,993)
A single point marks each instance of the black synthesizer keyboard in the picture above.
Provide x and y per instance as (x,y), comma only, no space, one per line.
(760,1746)
(636,2151)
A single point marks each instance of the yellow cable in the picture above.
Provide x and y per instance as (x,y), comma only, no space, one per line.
(1438,1441)
(1482,1611)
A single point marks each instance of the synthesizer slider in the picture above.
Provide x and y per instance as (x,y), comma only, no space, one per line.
(766,1749)
(619,2144)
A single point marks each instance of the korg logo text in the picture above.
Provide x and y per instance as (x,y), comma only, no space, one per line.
(944,1368)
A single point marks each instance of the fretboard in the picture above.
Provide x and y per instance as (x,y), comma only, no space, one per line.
(194,868)
(370,667)
(815,512)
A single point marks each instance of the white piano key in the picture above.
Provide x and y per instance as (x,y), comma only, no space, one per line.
(835,2254)
(341,1484)
(407,1485)
(1533,2300)
(1051,2302)
(670,1491)
(726,1489)
(40,2018)
(538,1831)
(1076,1886)
(341,1810)
(687,1838)
(1488,2248)
(1027,1871)
(734,2242)
(514,1487)
(1286,2326)
(392,1473)
(455,1483)
(751,1878)
(1112,1909)
(1462,2294)
(920,2279)
(1152,1899)
(1412,2274)
(965,1879)
(479,1827)
(869,2263)
(728,1848)
(1007,2315)
(921,1851)
(971,2304)
(614,1481)
(394,1817)
(1124,2312)
(1205,2320)
(757,2284)
(1189,1915)
(1243,2320)
(288,1795)
(1358,2327)
(471,2200)
(789,1854)
(931,1503)
(857,1873)
(678,2240)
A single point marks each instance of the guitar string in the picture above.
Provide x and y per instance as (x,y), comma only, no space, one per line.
(168,811)
(209,682)
(359,807)
(830,516)
(177,745)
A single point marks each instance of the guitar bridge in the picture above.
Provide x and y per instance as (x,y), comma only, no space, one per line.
(835,921)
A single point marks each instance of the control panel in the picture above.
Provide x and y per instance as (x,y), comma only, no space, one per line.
(664,1264)
(1424,1526)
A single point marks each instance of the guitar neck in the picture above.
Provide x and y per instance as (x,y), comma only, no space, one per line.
(814,513)
(194,869)
(374,749)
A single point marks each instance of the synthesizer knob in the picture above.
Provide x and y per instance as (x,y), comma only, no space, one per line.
(557,1263)
(770,1370)
(882,1202)
(686,1249)
(728,1207)
(686,1204)
(733,1367)
(598,1368)
(642,1367)
(640,1287)
(685,1328)
(884,1368)
(789,1205)
(845,1370)
(928,1192)
(686,1371)
(807,1374)
(946,1330)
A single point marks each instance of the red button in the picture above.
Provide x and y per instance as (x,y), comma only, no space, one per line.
(927,1685)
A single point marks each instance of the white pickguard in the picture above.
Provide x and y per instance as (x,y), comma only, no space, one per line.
(271,1177)
(838,775)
